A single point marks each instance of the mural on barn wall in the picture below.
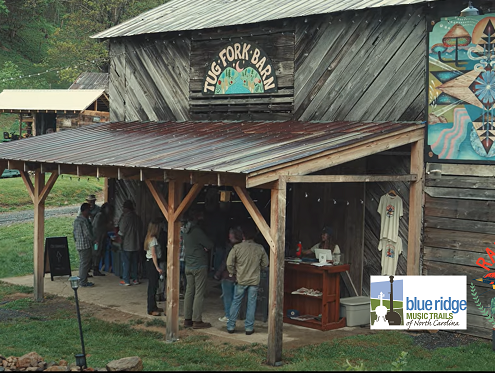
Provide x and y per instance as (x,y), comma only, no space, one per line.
(461,94)
(240,69)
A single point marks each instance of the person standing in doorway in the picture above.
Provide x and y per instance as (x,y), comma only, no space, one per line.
(245,262)
(102,224)
(196,247)
(83,236)
(130,230)
(228,282)
(162,258)
(153,270)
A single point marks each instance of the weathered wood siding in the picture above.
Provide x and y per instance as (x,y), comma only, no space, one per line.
(367,65)
(149,78)
(338,205)
(384,164)
(277,40)
(459,226)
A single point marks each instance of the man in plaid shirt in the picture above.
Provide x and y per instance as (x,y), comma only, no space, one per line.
(83,236)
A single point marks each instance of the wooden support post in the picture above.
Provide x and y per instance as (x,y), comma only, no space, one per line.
(39,192)
(276,279)
(415,209)
(105,190)
(173,267)
(39,235)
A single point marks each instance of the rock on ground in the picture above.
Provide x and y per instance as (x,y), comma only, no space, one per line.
(29,359)
(126,364)
(57,368)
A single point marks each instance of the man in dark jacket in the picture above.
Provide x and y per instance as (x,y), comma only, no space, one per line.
(131,232)
(196,247)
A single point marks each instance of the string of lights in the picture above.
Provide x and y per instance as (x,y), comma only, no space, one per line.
(76,65)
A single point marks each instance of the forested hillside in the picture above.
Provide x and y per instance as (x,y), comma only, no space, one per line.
(37,36)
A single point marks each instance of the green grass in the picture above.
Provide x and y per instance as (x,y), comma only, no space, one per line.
(16,245)
(56,337)
(66,191)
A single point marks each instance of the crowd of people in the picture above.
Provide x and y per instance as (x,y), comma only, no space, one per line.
(96,230)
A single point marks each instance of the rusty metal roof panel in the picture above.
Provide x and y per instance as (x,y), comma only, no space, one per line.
(91,81)
(235,147)
(181,15)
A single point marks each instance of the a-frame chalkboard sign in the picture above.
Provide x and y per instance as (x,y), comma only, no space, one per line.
(57,260)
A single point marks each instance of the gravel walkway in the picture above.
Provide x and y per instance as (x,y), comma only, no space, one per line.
(442,339)
(28,215)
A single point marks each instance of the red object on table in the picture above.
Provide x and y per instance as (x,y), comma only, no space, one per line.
(299,250)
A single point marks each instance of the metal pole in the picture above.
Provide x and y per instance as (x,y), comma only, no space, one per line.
(80,325)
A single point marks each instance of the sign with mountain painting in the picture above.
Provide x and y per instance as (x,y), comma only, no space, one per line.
(240,69)
(461,92)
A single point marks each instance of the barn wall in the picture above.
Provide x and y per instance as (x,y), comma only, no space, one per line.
(276,39)
(367,65)
(384,163)
(149,78)
(459,226)
(338,205)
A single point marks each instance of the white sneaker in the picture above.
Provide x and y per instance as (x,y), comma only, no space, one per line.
(223,319)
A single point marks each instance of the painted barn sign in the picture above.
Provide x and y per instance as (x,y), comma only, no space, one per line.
(461,126)
(240,69)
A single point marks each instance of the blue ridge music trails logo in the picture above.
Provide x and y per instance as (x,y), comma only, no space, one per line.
(418,302)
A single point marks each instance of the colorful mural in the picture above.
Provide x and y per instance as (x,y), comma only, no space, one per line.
(461,94)
(240,68)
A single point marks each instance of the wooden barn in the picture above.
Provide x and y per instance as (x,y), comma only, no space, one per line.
(46,111)
(309,112)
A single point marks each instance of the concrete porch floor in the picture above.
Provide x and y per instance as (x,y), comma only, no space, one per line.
(108,293)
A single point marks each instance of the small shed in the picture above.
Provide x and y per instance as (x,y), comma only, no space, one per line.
(48,111)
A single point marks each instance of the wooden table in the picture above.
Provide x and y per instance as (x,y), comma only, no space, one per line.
(325,279)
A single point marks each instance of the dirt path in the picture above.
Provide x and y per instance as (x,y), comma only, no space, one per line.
(28,215)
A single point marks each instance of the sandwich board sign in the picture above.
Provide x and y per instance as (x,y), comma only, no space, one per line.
(57,260)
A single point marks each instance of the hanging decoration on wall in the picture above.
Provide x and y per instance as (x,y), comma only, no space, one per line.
(240,69)
(461,126)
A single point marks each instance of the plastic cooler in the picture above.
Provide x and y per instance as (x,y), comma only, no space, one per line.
(356,310)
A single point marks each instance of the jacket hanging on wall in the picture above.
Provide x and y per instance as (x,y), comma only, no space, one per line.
(390,210)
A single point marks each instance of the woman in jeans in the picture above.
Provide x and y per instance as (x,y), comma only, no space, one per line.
(153,270)
(228,282)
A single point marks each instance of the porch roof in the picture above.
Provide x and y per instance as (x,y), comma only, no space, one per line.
(256,150)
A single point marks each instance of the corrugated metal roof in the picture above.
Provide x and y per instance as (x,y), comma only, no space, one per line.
(91,81)
(58,100)
(179,15)
(235,147)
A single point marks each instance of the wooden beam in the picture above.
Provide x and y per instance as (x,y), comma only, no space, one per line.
(256,215)
(276,278)
(39,235)
(173,266)
(105,190)
(29,185)
(337,157)
(188,200)
(160,199)
(464,170)
(350,178)
(416,197)
(48,187)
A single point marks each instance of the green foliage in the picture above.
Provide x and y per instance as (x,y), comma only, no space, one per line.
(155,322)
(350,367)
(401,362)
(67,191)
(9,78)
(16,245)
(72,45)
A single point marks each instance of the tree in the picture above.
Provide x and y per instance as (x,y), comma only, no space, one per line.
(71,45)
(10,75)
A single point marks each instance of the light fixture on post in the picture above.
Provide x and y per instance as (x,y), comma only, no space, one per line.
(470,11)
(80,357)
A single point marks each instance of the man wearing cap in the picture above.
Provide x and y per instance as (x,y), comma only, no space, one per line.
(326,242)
(94,209)
(84,238)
